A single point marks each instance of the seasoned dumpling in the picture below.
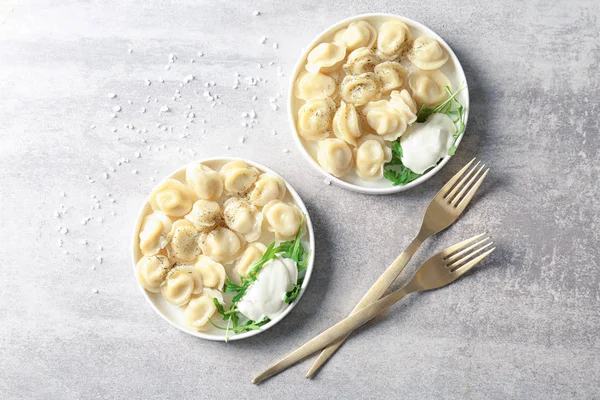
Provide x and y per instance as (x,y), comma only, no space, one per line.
(371,155)
(183,246)
(310,85)
(222,245)
(201,308)
(325,57)
(427,53)
(282,218)
(361,89)
(205,182)
(389,118)
(238,176)
(429,87)
(360,61)
(392,75)
(213,274)
(251,255)
(314,118)
(358,34)
(335,157)
(346,123)
(205,214)
(267,187)
(181,283)
(151,272)
(154,235)
(172,198)
(394,39)
(243,217)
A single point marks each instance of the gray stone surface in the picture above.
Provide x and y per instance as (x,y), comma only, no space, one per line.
(524,325)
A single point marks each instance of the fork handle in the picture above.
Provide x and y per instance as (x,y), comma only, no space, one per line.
(375,292)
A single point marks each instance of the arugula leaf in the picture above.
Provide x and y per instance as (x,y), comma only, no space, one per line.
(292,294)
(251,325)
(396,172)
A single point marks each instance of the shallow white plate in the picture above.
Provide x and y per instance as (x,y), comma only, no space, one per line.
(173,314)
(452,69)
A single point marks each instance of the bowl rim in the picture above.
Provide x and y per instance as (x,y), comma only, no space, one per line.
(350,186)
(311,238)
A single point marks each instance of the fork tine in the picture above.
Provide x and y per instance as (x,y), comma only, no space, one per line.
(467,199)
(458,255)
(454,201)
(467,257)
(446,188)
(463,269)
(453,249)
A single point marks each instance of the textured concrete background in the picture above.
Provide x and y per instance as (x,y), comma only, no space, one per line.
(524,325)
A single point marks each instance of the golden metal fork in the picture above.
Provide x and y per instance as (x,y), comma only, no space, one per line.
(440,270)
(445,208)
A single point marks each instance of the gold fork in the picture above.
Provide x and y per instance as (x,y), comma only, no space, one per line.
(445,208)
(440,270)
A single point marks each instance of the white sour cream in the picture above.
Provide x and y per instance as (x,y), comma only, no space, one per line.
(264,297)
(425,143)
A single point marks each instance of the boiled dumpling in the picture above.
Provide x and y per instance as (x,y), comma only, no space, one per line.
(172,198)
(154,235)
(346,123)
(371,156)
(427,53)
(205,214)
(429,87)
(360,61)
(183,246)
(315,117)
(358,34)
(201,308)
(251,255)
(222,245)
(243,217)
(325,57)
(389,118)
(205,182)
(213,273)
(151,272)
(267,187)
(310,85)
(180,284)
(392,75)
(283,218)
(335,157)
(394,39)
(238,176)
(361,89)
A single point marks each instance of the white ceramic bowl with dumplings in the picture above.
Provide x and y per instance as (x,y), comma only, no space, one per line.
(452,69)
(174,314)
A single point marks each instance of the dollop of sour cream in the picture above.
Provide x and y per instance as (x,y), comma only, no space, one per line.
(264,297)
(427,142)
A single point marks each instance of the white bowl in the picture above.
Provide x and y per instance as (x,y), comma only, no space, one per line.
(173,314)
(354,183)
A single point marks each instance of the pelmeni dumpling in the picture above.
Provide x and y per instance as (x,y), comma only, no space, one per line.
(394,39)
(172,198)
(429,87)
(183,246)
(427,53)
(389,118)
(283,218)
(315,117)
(205,214)
(310,85)
(213,274)
(243,217)
(154,234)
(238,176)
(222,245)
(268,187)
(205,182)
(251,255)
(358,34)
(392,75)
(325,57)
(361,89)
(201,308)
(335,156)
(371,156)
(180,284)
(346,123)
(360,61)
(151,272)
